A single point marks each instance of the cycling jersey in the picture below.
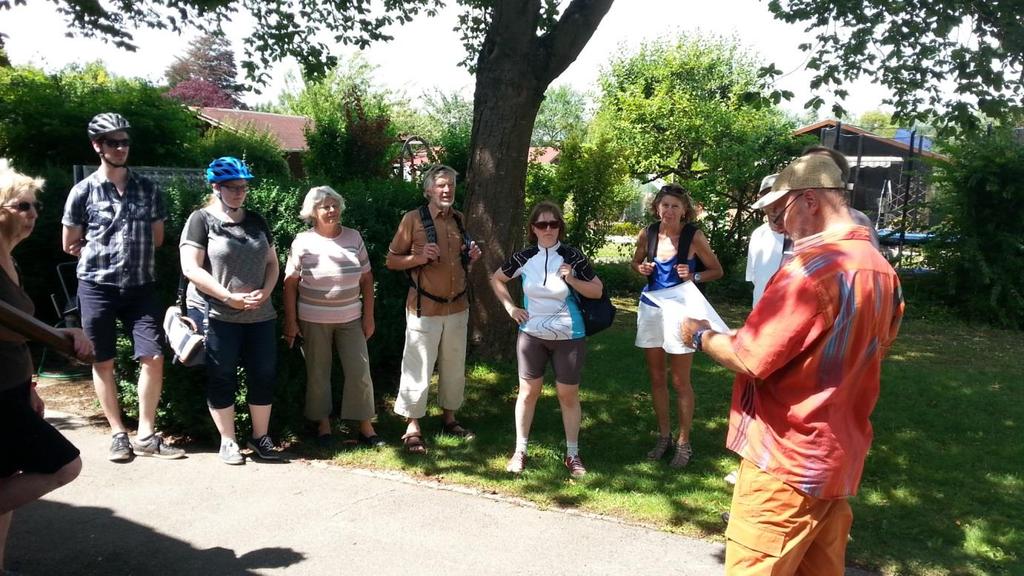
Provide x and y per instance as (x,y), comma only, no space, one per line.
(554,314)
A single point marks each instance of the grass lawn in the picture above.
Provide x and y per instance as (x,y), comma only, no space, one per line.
(944,482)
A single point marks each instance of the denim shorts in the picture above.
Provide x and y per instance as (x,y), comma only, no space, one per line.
(102,305)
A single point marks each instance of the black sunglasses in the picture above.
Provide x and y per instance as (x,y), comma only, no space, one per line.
(25,205)
(547,224)
(116,143)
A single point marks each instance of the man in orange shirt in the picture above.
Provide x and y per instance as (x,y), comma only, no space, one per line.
(807,363)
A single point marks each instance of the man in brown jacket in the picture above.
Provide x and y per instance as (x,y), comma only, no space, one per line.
(432,247)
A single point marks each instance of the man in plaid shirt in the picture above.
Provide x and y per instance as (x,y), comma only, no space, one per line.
(113,221)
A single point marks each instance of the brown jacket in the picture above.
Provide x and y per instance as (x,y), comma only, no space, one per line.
(444,277)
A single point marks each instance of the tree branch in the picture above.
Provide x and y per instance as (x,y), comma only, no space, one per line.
(563,44)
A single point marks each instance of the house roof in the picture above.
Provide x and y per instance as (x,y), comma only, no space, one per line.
(849,128)
(288,130)
(544,155)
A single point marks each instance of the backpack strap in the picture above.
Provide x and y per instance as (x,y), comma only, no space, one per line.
(685,240)
(652,241)
(652,248)
(431,232)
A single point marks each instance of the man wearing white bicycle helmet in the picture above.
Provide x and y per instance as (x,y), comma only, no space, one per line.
(113,222)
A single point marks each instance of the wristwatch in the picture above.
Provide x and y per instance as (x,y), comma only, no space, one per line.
(696,277)
(698,339)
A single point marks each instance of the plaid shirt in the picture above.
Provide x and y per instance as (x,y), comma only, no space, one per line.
(118,230)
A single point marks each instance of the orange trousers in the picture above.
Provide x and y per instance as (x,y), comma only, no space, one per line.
(774,529)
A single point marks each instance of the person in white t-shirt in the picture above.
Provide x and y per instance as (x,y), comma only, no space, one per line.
(764,254)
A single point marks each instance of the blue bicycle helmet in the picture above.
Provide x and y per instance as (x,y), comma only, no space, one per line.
(227,168)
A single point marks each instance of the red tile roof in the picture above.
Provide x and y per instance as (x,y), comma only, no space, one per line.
(289,130)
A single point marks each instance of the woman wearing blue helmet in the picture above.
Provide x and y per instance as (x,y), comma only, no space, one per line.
(227,253)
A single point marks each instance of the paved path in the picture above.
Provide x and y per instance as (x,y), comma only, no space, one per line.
(198,516)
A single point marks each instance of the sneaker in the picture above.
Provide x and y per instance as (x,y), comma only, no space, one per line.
(156,447)
(575,466)
(517,463)
(684,451)
(229,453)
(730,479)
(264,448)
(120,448)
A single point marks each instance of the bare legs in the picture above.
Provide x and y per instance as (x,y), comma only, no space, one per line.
(224,419)
(21,489)
(568,401)
(151,378)
(679,367)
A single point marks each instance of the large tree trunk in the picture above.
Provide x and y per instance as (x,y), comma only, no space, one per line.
(514,69)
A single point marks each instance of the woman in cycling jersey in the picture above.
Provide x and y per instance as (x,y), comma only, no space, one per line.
(550,326)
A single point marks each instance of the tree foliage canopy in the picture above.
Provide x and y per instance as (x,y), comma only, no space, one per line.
(918,49)
(695,110)
(562,113)
(210,59)
(979,252)
(198,92)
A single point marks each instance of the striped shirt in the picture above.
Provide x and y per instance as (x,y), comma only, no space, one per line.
(815,343)
(328,270)
(118,229)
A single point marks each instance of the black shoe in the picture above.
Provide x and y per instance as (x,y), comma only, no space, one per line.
(264,448)
(372,441)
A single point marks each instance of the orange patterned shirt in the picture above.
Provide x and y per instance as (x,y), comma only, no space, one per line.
(815,343)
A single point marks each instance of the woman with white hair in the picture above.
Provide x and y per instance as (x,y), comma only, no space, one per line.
(328,300)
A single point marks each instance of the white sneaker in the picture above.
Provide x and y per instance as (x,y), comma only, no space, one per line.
(229,453)
(730,479)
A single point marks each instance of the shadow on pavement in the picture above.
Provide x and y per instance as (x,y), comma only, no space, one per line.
(55,538)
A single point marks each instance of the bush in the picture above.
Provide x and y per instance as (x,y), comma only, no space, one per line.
(619,279)
(260,151)
(624,229)
(43,120)
(591,180)
(979,250)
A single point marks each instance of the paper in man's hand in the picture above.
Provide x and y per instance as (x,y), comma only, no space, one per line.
(678,302)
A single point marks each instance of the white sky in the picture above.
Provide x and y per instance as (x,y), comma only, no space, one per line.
(425,53)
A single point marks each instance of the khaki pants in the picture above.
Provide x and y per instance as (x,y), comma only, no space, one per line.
(357,392)
(774,529)
(430,340)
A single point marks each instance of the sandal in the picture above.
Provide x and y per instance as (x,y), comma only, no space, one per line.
(660,447)
(413,442)
(455,428)
(684,451)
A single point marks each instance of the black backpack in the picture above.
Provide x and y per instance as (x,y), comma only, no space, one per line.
(685,239)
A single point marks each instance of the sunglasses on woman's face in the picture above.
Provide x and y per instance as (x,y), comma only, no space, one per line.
(24,206)
(547,225)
